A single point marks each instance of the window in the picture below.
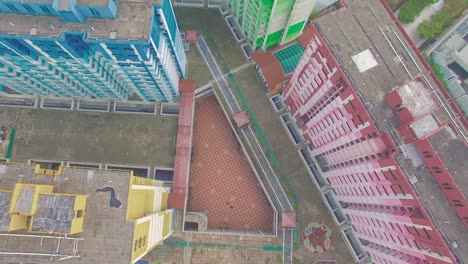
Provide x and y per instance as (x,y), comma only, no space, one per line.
(401,189)
(94,11)
(427,233)
(45,9)
(79,214)
(12,7)
(400,240)
(140,242)
(30,10)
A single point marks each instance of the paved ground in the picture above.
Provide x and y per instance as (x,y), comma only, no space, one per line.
(425,14)
(197,69)
(222,182)
(211,24)
(217,249)
(135,139)
(310,208)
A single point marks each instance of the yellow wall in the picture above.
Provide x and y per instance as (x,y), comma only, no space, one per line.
(144,181)
(142,210)
(140,204)
(77,225)
(165,196)
(167,225)
(78,221)
(145,229)
(140,233)
(80,202)
(142,194)
(18,222)
(39,171)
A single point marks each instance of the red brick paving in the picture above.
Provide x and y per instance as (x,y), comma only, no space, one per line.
(222,182)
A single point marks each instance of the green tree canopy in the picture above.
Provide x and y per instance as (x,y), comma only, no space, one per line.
(441,19)
(411,10)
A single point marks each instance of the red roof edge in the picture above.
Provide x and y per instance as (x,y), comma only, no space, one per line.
(186,85)
(307,35)
(178,197)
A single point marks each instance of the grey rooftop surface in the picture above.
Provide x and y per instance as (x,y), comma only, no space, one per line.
(133,22)
(366,25)
(357,28)
(78,136)
(101,243)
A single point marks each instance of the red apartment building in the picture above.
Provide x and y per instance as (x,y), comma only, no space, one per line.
(358,161)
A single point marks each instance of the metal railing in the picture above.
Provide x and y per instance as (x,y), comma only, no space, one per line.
(288,237)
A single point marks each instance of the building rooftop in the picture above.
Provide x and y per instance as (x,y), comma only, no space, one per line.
(100,242)
(358,28)
(365,26)
(277,64)
(94,137)
(417,99)
(133,22)
(223,184)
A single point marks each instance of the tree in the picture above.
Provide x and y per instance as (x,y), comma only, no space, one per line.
(441,19)
(425,30)
(411,10)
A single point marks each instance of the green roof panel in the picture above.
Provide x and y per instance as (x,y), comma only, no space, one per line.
(289,57)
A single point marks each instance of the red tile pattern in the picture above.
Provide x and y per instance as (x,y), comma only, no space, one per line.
(222,182)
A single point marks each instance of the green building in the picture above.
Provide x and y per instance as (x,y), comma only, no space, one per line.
(271,22)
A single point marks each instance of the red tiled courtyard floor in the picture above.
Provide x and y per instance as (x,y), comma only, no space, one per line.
(222,182)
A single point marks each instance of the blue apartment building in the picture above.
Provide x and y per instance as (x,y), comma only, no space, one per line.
(91,48)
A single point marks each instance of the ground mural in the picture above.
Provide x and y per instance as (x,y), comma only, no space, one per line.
(316,238)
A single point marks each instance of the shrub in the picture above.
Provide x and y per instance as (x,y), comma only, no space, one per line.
(441,19)
(411,10)
(436,68)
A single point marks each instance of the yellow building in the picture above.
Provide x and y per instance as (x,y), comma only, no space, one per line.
(89,212)
(36,208)
(147,208)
